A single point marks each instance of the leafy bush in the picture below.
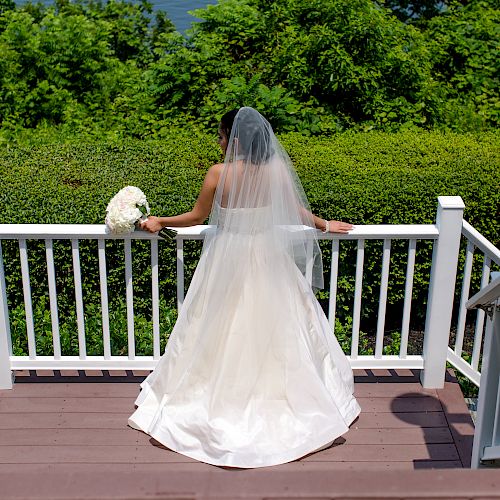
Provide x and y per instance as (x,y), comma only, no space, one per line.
(68,331)
(75,63)
(311,66)
(464,44)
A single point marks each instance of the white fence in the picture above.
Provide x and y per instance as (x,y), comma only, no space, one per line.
(445,234)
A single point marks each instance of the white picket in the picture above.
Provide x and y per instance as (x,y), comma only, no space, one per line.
(103,286)
(334,271)
(54,314)
(155,299)
(130,299)
(464,297)
(358,283)
(28,306)
(382,302)
(80,317)
(478,332)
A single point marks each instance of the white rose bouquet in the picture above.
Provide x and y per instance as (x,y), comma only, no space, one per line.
(126,209)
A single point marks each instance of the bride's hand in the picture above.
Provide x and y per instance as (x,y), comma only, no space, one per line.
(336,226)
(151,224)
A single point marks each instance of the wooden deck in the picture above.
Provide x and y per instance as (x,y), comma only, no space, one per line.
(65,435)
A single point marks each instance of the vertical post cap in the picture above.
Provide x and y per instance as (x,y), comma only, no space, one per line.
(451,202)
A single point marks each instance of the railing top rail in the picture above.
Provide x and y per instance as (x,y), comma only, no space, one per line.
(481,242)
(99,231)
(486,295)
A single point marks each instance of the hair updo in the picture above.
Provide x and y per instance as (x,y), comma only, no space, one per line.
(227,120)
(253,133)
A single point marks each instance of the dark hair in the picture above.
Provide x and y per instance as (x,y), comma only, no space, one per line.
(227,121)
(255,142)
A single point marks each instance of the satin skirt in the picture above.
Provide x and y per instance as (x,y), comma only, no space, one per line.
(252,374)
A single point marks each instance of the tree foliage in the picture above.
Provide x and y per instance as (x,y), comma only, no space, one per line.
(74,63)
(465,47)
(313,66)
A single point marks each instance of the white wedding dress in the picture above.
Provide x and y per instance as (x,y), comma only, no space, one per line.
(252,374)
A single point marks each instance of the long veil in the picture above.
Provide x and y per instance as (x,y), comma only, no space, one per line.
(259,193)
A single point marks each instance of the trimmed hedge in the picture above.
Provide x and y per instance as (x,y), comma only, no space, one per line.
(369,178)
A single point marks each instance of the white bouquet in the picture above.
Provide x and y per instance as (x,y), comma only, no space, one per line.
(124,210)
(127,209)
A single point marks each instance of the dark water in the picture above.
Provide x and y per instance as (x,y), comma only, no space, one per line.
(177,10)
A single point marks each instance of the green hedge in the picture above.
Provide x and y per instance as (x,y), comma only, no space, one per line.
(369,178)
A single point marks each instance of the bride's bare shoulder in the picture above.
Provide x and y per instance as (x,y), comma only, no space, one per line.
(215,170)
(212,175)
(217,167)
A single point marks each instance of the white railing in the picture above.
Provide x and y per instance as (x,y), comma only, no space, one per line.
(486,446)
(467,360)
(445,234)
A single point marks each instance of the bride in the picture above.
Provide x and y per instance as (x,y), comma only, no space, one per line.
(252,374)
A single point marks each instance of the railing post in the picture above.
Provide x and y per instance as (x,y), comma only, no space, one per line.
(441,290)
(6,375)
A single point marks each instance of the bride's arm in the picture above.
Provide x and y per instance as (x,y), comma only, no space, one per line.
(334,226)
(199,212)
(290,192)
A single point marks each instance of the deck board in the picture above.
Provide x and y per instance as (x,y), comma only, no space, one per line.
(153,482)
(37,404)
(57,424)
(112,420)
(83,436)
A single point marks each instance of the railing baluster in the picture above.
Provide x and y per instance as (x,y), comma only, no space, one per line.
(357,298)
(28,306)
(155,298)
(410,269)
(334,270)
(478,334)
(5,338)
(103,283)
(54,315)
(382,302)
(464,297)
(80,318)
(180,272)
(130,299)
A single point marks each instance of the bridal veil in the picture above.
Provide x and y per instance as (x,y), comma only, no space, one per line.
(258,179)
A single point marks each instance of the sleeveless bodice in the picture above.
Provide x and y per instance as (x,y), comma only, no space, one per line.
(244,220)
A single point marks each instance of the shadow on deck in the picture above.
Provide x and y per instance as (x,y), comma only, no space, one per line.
(65,435)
